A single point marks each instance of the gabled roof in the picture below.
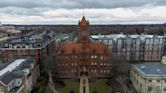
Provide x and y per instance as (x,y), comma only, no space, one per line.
(9,76)
(16,72)
(83,22)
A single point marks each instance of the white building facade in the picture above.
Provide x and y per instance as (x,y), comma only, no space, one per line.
(149,77)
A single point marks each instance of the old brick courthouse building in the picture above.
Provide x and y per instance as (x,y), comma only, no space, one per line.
(83,57)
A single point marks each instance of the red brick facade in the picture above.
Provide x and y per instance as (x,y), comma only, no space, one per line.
(9,54)
(83,57)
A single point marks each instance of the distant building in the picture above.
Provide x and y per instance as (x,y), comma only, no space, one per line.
(10,30)
(36,46)
(6,28)
(83,57)
(135,47)
(18,76)
(3,34)
(0,24)
(149,77)
(7,32)
(13,32)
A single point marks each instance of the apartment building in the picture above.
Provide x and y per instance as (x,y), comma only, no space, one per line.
(32,45)
(135,47)
(18,76)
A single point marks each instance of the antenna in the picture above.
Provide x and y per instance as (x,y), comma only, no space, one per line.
(83,9)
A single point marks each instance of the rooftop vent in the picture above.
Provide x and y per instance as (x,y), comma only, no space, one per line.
(159,71)
(142,67)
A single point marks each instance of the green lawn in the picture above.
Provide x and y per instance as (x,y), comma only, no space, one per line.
(48,90)
(70,85)
(100,86)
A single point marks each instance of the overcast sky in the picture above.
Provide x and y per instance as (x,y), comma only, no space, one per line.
(70,11)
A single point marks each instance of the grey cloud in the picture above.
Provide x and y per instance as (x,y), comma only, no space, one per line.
(79,3)
(39,3)
(22,11)
(37,11)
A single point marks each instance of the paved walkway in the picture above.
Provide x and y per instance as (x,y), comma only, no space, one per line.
(51,84)
(122,80)
(84,84)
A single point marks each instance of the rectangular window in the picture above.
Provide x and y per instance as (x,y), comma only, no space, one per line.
(150,80)
(1,90)
(149,88)
(32,52)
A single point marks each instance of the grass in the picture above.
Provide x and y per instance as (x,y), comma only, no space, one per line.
(48,90)
(70,86)
(100,86)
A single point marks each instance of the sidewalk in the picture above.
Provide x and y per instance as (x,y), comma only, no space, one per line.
(51,84)
(122,81)
(84,84)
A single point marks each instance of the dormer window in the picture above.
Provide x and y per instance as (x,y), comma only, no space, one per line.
(18,82)
(23,46)
(18,46)
(39,45)
(10,45)
(6,45)
(30,46)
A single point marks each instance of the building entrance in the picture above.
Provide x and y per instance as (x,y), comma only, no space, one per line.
(84,72)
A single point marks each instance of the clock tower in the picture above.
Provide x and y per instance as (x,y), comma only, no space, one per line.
(83,31)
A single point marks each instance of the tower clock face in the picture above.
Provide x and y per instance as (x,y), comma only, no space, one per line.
(83,33)
(84,29)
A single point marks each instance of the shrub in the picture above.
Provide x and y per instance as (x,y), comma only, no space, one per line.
(42,89)
(71,91)
(94,91)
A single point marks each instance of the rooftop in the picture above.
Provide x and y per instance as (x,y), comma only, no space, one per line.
(151,69)
(32,38)
(116,36)
(130,39)
(29,39)
(14,70)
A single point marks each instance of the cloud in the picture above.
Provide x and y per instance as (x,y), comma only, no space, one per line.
(95,16)
(79,3)
(70,11)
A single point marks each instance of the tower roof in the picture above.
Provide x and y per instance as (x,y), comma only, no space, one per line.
(83,22)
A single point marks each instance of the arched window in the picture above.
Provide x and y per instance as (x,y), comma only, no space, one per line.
(39,45)
(30,45)
(23,46)
(105,51)
(62,51)
(18,45)
(73,51)
(94,51)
